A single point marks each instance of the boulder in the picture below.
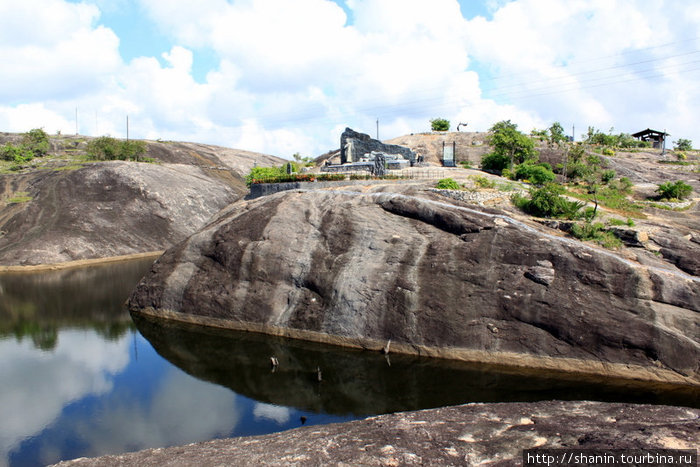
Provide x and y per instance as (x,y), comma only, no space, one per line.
(435,277)
(107,209)
(473,434)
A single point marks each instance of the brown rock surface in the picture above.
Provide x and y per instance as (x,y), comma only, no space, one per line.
(473,434)
(437,278)
(106,209)
(74,210)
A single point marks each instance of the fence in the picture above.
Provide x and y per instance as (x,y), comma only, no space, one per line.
(413,173)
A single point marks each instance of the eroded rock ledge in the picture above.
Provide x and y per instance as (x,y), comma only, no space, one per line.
(435,277)
(471,434)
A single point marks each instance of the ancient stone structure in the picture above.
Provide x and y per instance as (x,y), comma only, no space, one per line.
(354,145)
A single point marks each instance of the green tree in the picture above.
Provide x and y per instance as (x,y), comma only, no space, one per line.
(508,141)
(440,124)
(683,145)
(556,134)
(37,141)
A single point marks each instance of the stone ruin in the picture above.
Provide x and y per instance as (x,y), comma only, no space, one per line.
(359,147)
(359,152)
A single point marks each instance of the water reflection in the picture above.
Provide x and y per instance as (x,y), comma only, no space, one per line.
(78,379)
(361,383)
(36,305)
(95,386)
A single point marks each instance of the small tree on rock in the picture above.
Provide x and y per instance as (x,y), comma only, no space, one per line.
(440,124)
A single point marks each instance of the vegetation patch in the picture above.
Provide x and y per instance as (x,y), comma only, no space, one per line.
(674,190)
(19,197)
(106,148)
(595,231)
(548,202)
(482,182)
(448,184)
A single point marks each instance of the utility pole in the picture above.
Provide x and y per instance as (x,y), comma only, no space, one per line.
(76,121)
(573,133)
(377,128)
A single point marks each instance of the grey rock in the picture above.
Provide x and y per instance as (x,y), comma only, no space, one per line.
(630,237)
(359,269)
(473,434)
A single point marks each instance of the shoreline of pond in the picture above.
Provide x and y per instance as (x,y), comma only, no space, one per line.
(80,263)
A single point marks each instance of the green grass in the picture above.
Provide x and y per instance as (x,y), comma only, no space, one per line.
(619,222)
(611,199)
(19,197)
(596,232)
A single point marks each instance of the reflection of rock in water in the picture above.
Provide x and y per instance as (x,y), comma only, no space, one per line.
(360,382)
(39,304)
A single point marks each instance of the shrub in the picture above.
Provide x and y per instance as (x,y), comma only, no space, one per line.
(676,190)
(607,175)
(483,182)
(495,161)
(448,184)
(262,174)
(466,164)
(538,174)
(683,145)
(37,141)
(597,233)
(17,154)
(548,202)
(608,152)
(439,124)
(106,148)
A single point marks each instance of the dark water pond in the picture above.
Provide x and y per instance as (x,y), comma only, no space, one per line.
(79,378)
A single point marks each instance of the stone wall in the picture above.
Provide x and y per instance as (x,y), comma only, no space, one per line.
(354,145)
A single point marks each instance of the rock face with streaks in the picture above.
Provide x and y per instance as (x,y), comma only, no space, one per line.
(435,277)
(473,434)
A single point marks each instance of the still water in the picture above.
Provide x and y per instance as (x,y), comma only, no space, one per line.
(79,378)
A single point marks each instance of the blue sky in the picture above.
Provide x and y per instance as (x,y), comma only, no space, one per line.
(282,77)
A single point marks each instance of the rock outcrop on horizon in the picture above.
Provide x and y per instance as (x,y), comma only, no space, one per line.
(434,277)
(59,208)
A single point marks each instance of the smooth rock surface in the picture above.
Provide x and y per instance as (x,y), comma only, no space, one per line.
(106,209)
(473,434)
(431,275)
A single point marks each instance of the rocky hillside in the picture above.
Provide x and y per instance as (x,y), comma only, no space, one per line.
(62,208)
(434,276)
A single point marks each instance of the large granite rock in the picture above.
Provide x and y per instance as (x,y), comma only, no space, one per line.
(474,434)
(361,144)
(106,209)
(435,278)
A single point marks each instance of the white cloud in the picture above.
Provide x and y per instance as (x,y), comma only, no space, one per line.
(173,417)
(51,51)
(290,74)
(277,414)
(80,365)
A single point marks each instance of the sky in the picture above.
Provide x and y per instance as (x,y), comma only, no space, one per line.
(284,77)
